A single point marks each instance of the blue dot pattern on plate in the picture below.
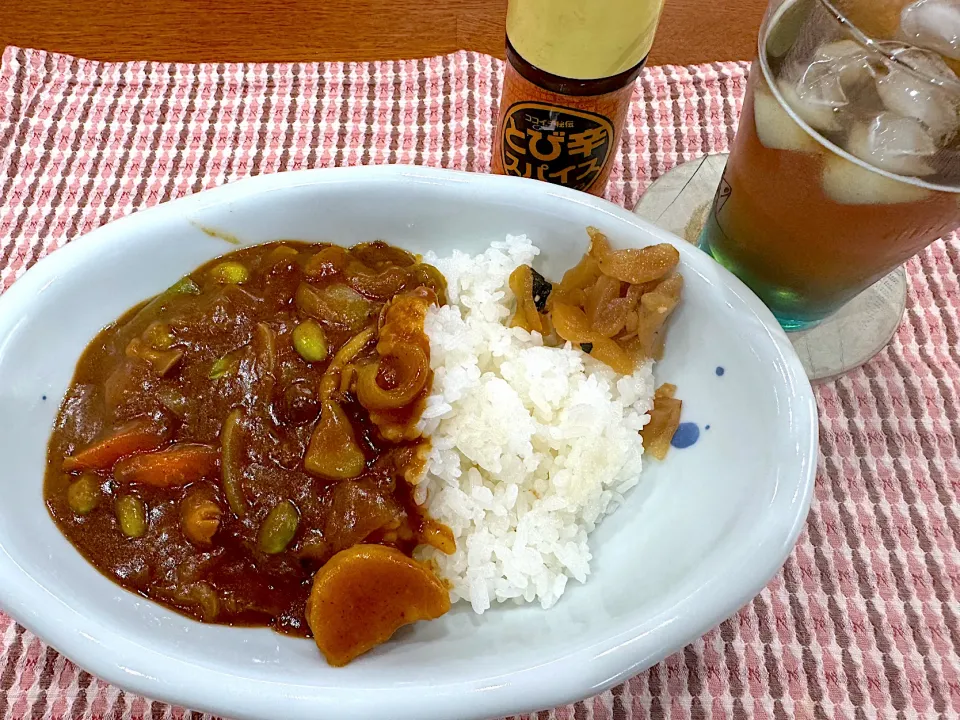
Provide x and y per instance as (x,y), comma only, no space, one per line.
(720,371)
(686,435)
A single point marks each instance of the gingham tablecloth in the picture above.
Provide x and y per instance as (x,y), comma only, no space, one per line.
(864,619)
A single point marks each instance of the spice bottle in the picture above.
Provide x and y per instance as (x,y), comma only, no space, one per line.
(570,72)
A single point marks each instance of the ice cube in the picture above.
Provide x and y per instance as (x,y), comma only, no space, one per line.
(910,94)
(849,60)
(818,90)
(812,108)
(847,183)
(775,128)
(933,24)
(900,145)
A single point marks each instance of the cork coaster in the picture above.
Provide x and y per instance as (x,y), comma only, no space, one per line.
(679,202)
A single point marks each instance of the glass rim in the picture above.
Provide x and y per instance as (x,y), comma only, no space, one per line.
(882,47)
(775,13)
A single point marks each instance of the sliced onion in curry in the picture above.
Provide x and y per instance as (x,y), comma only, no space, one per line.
(333,452)
(336,304)
(231,458)
(329,262)
(378,254)
(381,285)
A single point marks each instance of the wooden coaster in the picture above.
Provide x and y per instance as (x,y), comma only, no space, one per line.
(679,202)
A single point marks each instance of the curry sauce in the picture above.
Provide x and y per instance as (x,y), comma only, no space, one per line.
(222,442)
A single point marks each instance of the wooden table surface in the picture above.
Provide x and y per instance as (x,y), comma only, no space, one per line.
(691,31)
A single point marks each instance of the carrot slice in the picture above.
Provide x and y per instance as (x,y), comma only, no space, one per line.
(179,464)
(137,436)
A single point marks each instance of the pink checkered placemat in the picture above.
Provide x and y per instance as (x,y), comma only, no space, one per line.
(862,622)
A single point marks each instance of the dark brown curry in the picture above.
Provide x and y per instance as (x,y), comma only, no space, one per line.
(223,442)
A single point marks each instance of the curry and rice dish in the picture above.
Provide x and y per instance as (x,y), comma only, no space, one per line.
(314,438)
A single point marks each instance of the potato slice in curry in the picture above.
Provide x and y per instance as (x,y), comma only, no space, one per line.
(364,594)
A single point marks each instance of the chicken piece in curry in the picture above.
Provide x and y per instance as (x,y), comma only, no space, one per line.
(243,447)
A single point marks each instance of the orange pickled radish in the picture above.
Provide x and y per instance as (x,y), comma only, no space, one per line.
(599,244)
(575,280)
(599,297)
(609,352)
(605,309)
(633,265)
(364,594)
(664,421)
(572,324)
(526,316)
(654,310)
(641,265)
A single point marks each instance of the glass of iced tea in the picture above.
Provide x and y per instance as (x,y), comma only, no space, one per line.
(847,158)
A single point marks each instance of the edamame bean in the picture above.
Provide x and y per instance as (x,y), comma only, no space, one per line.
(310,341)
(83,495)
(278,528)
(132,515)
(183,286)
(229,273)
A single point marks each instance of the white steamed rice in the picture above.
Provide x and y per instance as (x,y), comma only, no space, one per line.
(531,445)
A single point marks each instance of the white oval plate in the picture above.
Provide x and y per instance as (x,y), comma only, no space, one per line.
(695,541)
